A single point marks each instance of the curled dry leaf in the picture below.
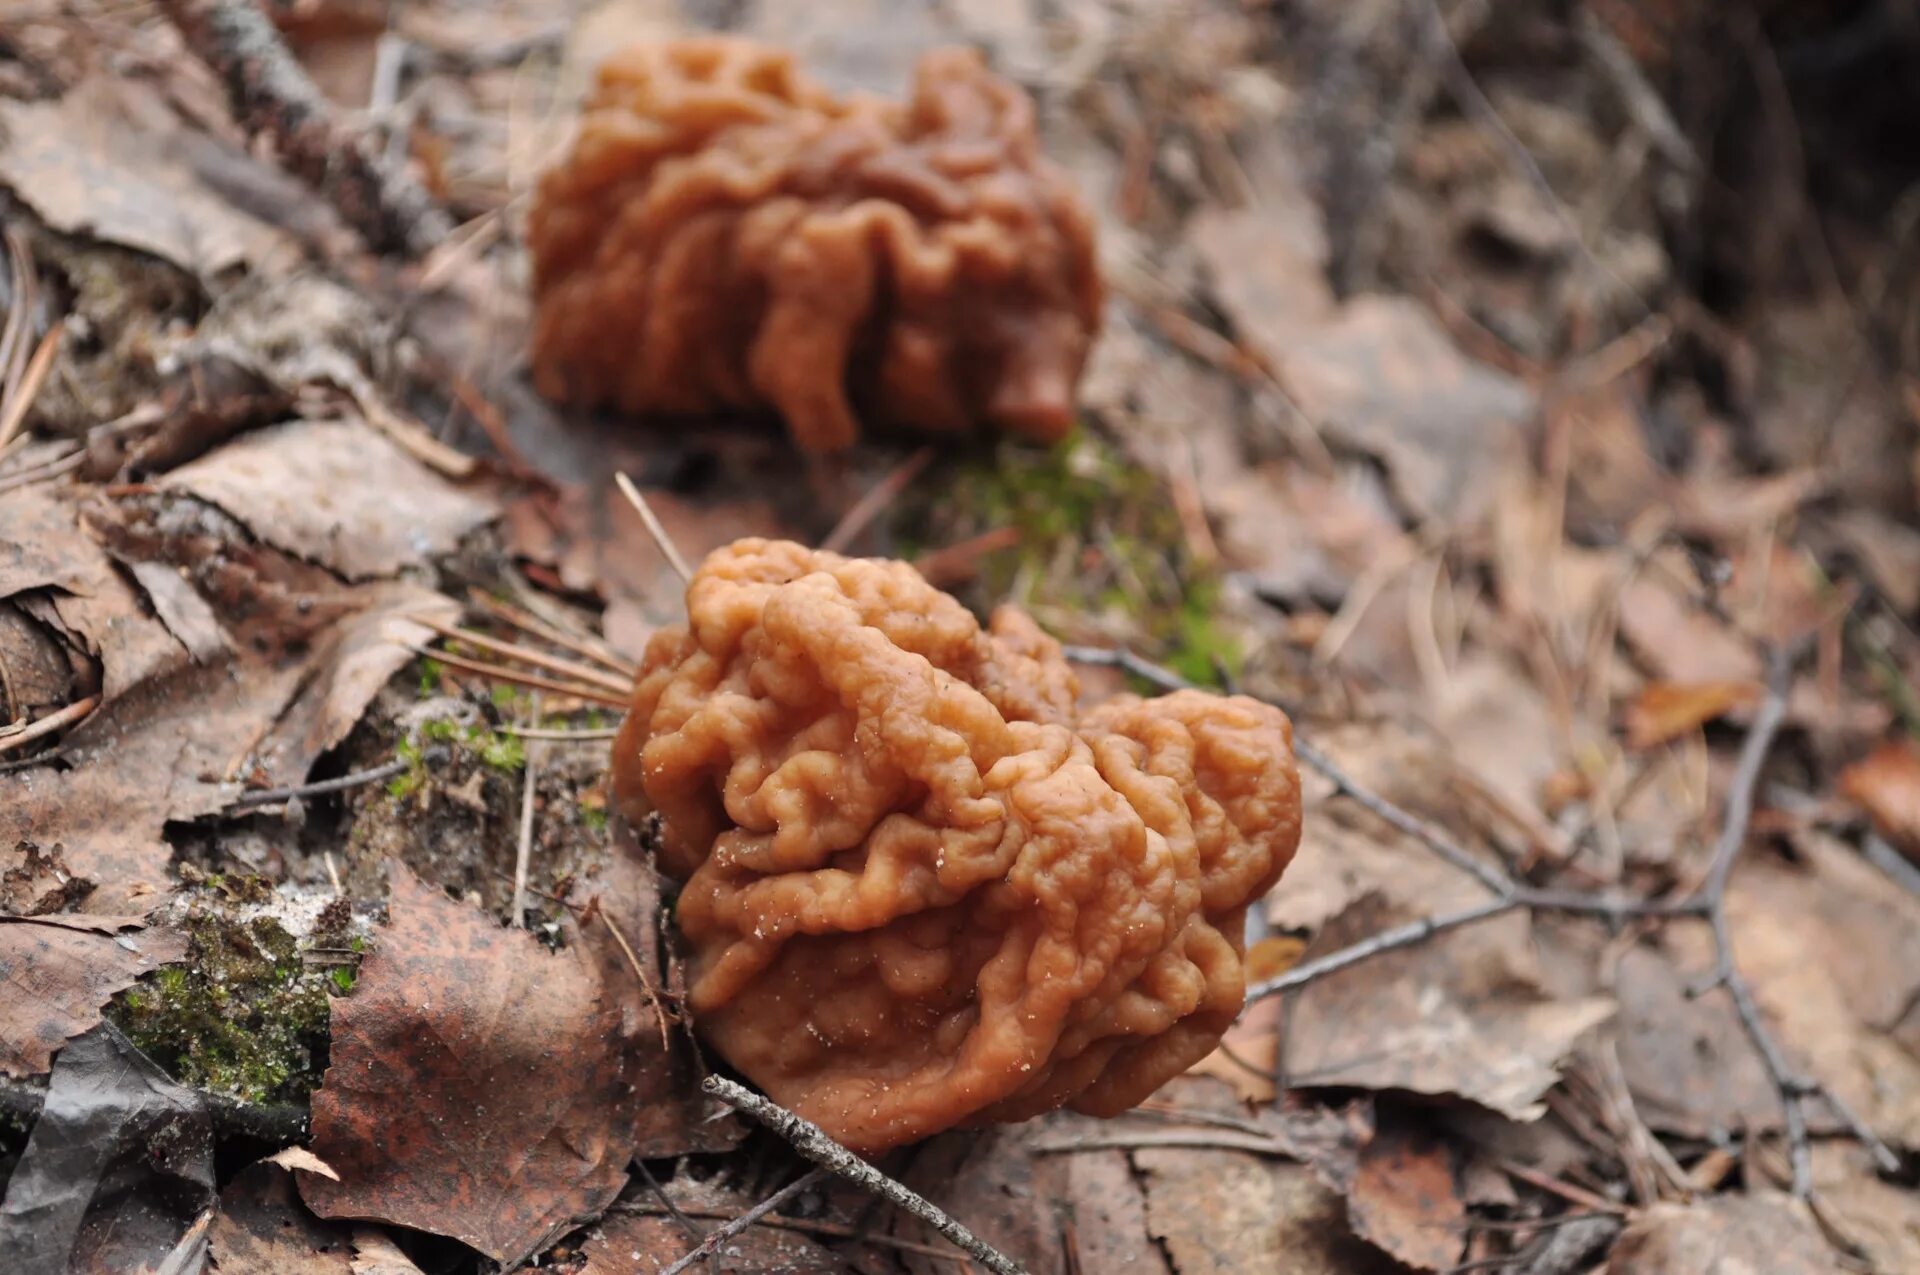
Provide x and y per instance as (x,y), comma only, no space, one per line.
(1886,784)
(54,979)
(339,493)
(479,1086)
(1667,710)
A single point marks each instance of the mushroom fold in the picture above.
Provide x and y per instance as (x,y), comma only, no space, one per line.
(923,888)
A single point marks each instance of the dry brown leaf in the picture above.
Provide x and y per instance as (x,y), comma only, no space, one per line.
(1462,1014)
(1667,710)
(54,980)
(375,1253)
(1886,784)
(1228,1212)
(44,546)
(1879,1218)
(338,493)
(112,160)
(480,1087)
(291,1158)
(1724,1235)
(1677,640)
(263,1229)
(1404,1197)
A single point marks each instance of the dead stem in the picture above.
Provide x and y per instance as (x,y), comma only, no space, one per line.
(532,681)
(319,788)
(523,850)
(875,502)
(733,1226)
(531,623)
(47,725)
(812,1142)
(527,655)
(668,549)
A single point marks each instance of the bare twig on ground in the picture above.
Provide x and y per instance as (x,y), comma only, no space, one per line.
(44,472)
(579,644)
(733,1226)
(527,655)
(668,549)
(273,95)
(809,1226)
(875,502)
(42,727)
(21,396)
(532,681)
(523,850)
(319,788)
(1707,903)
(812,1142)
(588,734)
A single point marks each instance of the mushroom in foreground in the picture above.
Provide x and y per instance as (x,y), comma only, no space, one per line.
(922,887)
(726,233)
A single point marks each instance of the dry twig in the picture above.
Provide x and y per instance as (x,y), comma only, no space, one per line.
(1707,903)
(733,1226)
(812,1142)
(532,681)
(668,549)
(319,788)
(52,722)
(273,95)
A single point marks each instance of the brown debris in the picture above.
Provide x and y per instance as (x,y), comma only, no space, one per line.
(479,1086)
(1015,908)
(54,980)
(726,233)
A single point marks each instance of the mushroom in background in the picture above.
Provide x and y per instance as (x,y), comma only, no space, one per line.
(728,234)
(922,888)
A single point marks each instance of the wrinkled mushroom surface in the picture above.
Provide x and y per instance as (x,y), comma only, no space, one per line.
(726,233)
(922,888)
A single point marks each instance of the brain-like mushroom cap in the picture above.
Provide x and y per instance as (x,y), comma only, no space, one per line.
(922,888)
(726,233)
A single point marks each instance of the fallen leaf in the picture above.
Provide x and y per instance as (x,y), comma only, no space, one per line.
(374,1253)
(1404,1198)
(44,546)
(1724,1235)
(478,1086)
(263,1229)
(1888,551)
(1667,710)
(1677,640)
(1886,784)
(111,160)
(54,981)
(1879,1218)
(338,493)
(118,1168)
(1461,1014)
(1228,1212)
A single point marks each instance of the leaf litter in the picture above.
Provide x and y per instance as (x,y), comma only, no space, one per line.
(1463,461)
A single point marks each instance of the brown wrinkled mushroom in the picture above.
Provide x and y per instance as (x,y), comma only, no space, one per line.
(922,889)
(728,234)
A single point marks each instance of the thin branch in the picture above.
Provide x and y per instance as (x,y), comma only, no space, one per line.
(875,502)
(668,549)
(527,655)
(533,681)
(812,1142)
(531,623)
(1385,941)
(583,734)
(523,850)
(45,471)
(44,726)
(805,1226)
(15,412)
(319,788)
(273,95)
(733,1226)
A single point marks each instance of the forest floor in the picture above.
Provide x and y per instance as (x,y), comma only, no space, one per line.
(1526,396)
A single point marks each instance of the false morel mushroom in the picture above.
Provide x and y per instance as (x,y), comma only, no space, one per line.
(726,233)
(922,887)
